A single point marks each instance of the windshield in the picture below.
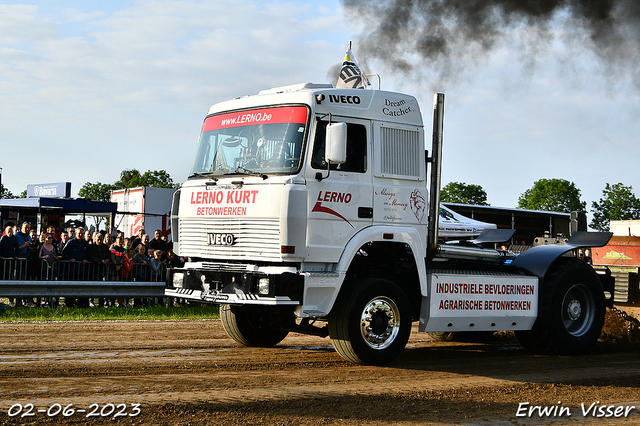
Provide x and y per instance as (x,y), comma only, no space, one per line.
(267,140)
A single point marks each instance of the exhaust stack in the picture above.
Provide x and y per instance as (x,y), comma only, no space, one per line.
(436,174)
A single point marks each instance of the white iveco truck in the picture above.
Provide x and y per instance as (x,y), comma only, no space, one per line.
(308,210)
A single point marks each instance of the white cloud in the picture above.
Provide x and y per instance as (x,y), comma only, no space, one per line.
(96,88)
(76,15)
(20,24)
(131,86)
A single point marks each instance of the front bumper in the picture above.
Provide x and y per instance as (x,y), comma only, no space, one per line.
(236,284)
(226,298)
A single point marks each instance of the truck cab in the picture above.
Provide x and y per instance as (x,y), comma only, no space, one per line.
(264,199)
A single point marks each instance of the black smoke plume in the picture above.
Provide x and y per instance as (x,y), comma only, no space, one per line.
(450,38)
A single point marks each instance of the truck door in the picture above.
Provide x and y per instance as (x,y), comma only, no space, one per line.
(341,204)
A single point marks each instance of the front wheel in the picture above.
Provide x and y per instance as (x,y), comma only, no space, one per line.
(251,326)
(371,324)
(571,317)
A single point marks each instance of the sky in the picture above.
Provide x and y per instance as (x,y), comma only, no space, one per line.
(90,88)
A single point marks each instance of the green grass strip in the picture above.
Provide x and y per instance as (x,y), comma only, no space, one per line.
(112,313)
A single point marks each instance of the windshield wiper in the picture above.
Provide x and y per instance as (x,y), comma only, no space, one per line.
(250,172)
(197,174)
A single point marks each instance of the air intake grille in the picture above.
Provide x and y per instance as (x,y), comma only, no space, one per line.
(400,153)
(253,238)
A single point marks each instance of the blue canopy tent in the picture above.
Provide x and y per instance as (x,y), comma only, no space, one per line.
(44,211)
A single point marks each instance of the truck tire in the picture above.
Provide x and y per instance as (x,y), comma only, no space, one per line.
(572,313)
(371,324)
(250,326)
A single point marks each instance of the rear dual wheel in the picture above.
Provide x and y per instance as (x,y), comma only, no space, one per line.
(572,313)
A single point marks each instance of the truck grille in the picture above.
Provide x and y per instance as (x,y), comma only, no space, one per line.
(257,239)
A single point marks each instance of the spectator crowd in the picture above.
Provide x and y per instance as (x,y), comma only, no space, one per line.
(79,254)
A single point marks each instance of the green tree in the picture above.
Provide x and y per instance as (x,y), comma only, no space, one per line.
(458,192)
(96,191)
(618,202)
(131,178)
(157,179)
(553,195)
(5,193)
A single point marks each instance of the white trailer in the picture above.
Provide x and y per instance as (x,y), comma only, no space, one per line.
(143,208)
(625,228)
(308,210)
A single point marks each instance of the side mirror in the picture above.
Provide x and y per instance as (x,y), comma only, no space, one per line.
(336,143)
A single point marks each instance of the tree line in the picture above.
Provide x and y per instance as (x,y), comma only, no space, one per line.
(618,201)
(129,178)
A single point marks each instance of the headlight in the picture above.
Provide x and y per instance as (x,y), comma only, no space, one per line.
(263,286)
(178,279)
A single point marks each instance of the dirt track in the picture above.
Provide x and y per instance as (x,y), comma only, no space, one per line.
(190,373)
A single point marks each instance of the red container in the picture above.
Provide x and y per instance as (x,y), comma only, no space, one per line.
(621,251)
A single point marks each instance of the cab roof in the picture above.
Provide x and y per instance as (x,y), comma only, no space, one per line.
(377,105)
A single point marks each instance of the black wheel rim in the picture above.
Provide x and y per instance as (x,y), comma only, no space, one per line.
(578,310)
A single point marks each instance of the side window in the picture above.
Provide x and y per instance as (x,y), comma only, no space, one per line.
(356,149)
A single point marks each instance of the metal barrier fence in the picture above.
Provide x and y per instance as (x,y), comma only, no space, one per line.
(66,270)
(63,278)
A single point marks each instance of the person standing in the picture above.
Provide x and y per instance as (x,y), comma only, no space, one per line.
(24,241)
(56,235)
(158,243)
(48,254)
(156,263)
(145,241)
(76,253)
(99,254)
(117,258)
(128,258)
(8,252)
(76,249)
(9,244)
(8,256)
(64,239)
(137,240)
(34,263)
(140,262)
(174,261)
(118,255)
